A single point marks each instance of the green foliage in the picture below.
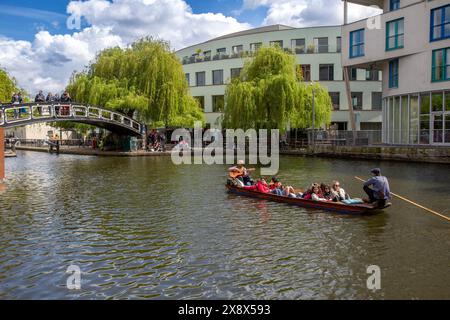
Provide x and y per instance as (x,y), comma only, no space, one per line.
(268,95)
(145,80)
(7,87)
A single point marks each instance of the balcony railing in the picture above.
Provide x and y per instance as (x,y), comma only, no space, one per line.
(245,54)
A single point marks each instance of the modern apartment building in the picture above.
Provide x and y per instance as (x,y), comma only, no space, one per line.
(410,43)
(209,66)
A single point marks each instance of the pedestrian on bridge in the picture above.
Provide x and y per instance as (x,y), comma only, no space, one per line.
(39,99)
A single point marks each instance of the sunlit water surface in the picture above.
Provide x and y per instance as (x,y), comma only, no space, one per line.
(145,228)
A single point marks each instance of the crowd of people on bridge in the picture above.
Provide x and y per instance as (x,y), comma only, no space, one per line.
(39,98)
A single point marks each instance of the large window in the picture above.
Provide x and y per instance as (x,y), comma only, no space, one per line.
(326,72)
(372,75)
(394,5)
(440,70)
(200,78)
(395,34)
(321,45)
(255,46)
(201,102)
(353,74)
(393,73)
(437,102)
(404,125)
(217,76)
(397,119)
(376,100)
(414,119)
(417,118)
(222,50)
(357,100)
(237,49)
(218,103)
(357,43)
(235,72)
(277,43)
(440,23)
(306,72)
(425,118)
(335,99)
(447,102)
(298,45)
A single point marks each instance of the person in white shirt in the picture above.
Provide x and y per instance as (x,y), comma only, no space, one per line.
(339,192)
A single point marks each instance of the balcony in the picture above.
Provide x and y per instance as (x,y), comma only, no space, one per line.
(311,49)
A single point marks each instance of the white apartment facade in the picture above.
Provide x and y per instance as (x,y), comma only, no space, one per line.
(209,66)
(410,43)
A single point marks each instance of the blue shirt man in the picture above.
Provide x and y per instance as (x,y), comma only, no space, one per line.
(379,191)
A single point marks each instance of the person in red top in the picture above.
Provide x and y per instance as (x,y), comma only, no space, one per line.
(261,186)
(282,190)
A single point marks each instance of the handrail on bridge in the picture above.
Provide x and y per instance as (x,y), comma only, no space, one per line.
(12,115)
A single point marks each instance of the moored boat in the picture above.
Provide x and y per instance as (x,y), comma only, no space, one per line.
(363,208)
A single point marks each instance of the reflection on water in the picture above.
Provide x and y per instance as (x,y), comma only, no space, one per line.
(144,228)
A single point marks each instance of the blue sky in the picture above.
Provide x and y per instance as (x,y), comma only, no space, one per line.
(38,49)
(21,20)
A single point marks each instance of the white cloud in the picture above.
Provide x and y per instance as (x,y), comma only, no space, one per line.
(48,61)
(306,13)
(172,20)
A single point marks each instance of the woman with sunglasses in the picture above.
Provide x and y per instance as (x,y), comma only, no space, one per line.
(338,192)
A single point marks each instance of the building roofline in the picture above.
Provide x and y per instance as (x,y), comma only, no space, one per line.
(257,31)
(378,3)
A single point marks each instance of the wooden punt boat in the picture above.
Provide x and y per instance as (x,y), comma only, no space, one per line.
(357,209)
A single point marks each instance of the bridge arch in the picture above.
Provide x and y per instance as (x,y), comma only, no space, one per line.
(17,115)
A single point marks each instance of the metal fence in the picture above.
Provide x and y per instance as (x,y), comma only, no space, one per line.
(345,138)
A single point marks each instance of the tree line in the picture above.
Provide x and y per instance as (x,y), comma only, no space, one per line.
(146,81)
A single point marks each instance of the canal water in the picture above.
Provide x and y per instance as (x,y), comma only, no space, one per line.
(144,228)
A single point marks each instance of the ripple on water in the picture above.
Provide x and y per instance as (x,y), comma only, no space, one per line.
(146,229)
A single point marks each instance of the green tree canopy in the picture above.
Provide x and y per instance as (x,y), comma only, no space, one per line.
(269,95)
(145,80)
(7,87)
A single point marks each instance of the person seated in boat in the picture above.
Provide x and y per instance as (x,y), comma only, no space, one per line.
(307,194)
(338,192)
(314,193)
(377,188)
(260,185)
(326,192)
(241,173)
(278,188)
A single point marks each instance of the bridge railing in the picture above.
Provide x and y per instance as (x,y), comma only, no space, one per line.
(22,113)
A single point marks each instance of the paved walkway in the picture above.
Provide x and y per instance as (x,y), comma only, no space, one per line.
(96,152)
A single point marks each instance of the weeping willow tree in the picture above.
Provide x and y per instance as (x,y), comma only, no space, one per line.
(8,87)
(269,95)
(145,80)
